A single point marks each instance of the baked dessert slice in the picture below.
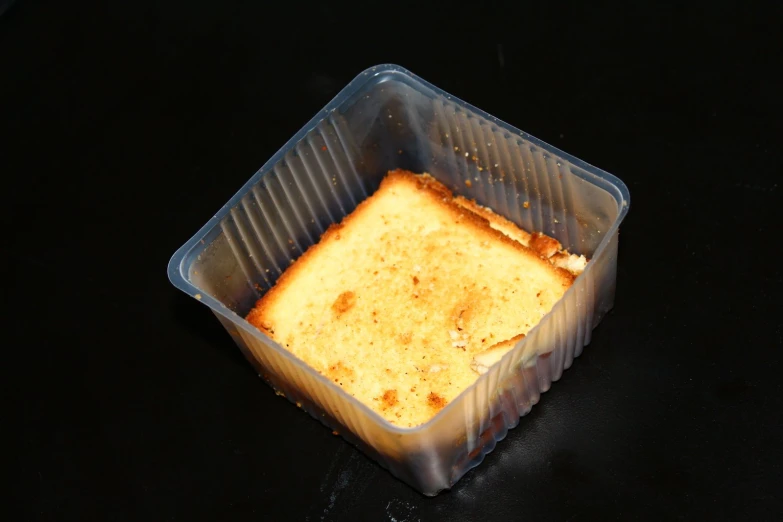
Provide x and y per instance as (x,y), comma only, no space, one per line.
(414,294)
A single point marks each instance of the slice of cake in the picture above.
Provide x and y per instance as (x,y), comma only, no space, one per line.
(413,295)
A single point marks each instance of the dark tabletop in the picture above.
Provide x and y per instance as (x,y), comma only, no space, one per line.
(125,125)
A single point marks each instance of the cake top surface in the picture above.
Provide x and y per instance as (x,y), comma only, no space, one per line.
(394,303)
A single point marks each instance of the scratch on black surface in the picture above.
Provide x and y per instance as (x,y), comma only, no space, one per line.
(357,472)
(402,512)
(501,58)
(335,460)
(342,481)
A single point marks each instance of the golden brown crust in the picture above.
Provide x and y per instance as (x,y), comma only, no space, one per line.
(331,233)
(256,316)
(544,245)
(547,247)
(343,335)
(504,224)
(435,401)
(344,302)
(464,209)
(389,399)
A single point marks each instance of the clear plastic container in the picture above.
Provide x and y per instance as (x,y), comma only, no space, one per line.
(388,118)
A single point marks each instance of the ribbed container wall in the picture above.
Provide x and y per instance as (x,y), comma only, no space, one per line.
(388,118)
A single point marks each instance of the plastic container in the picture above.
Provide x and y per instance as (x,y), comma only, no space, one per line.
(388,118)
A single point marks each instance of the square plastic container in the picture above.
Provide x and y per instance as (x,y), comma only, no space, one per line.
(388,118)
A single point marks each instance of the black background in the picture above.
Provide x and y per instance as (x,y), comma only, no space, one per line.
(125,125)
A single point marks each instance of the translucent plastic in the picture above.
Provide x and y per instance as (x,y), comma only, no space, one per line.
(387,118)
